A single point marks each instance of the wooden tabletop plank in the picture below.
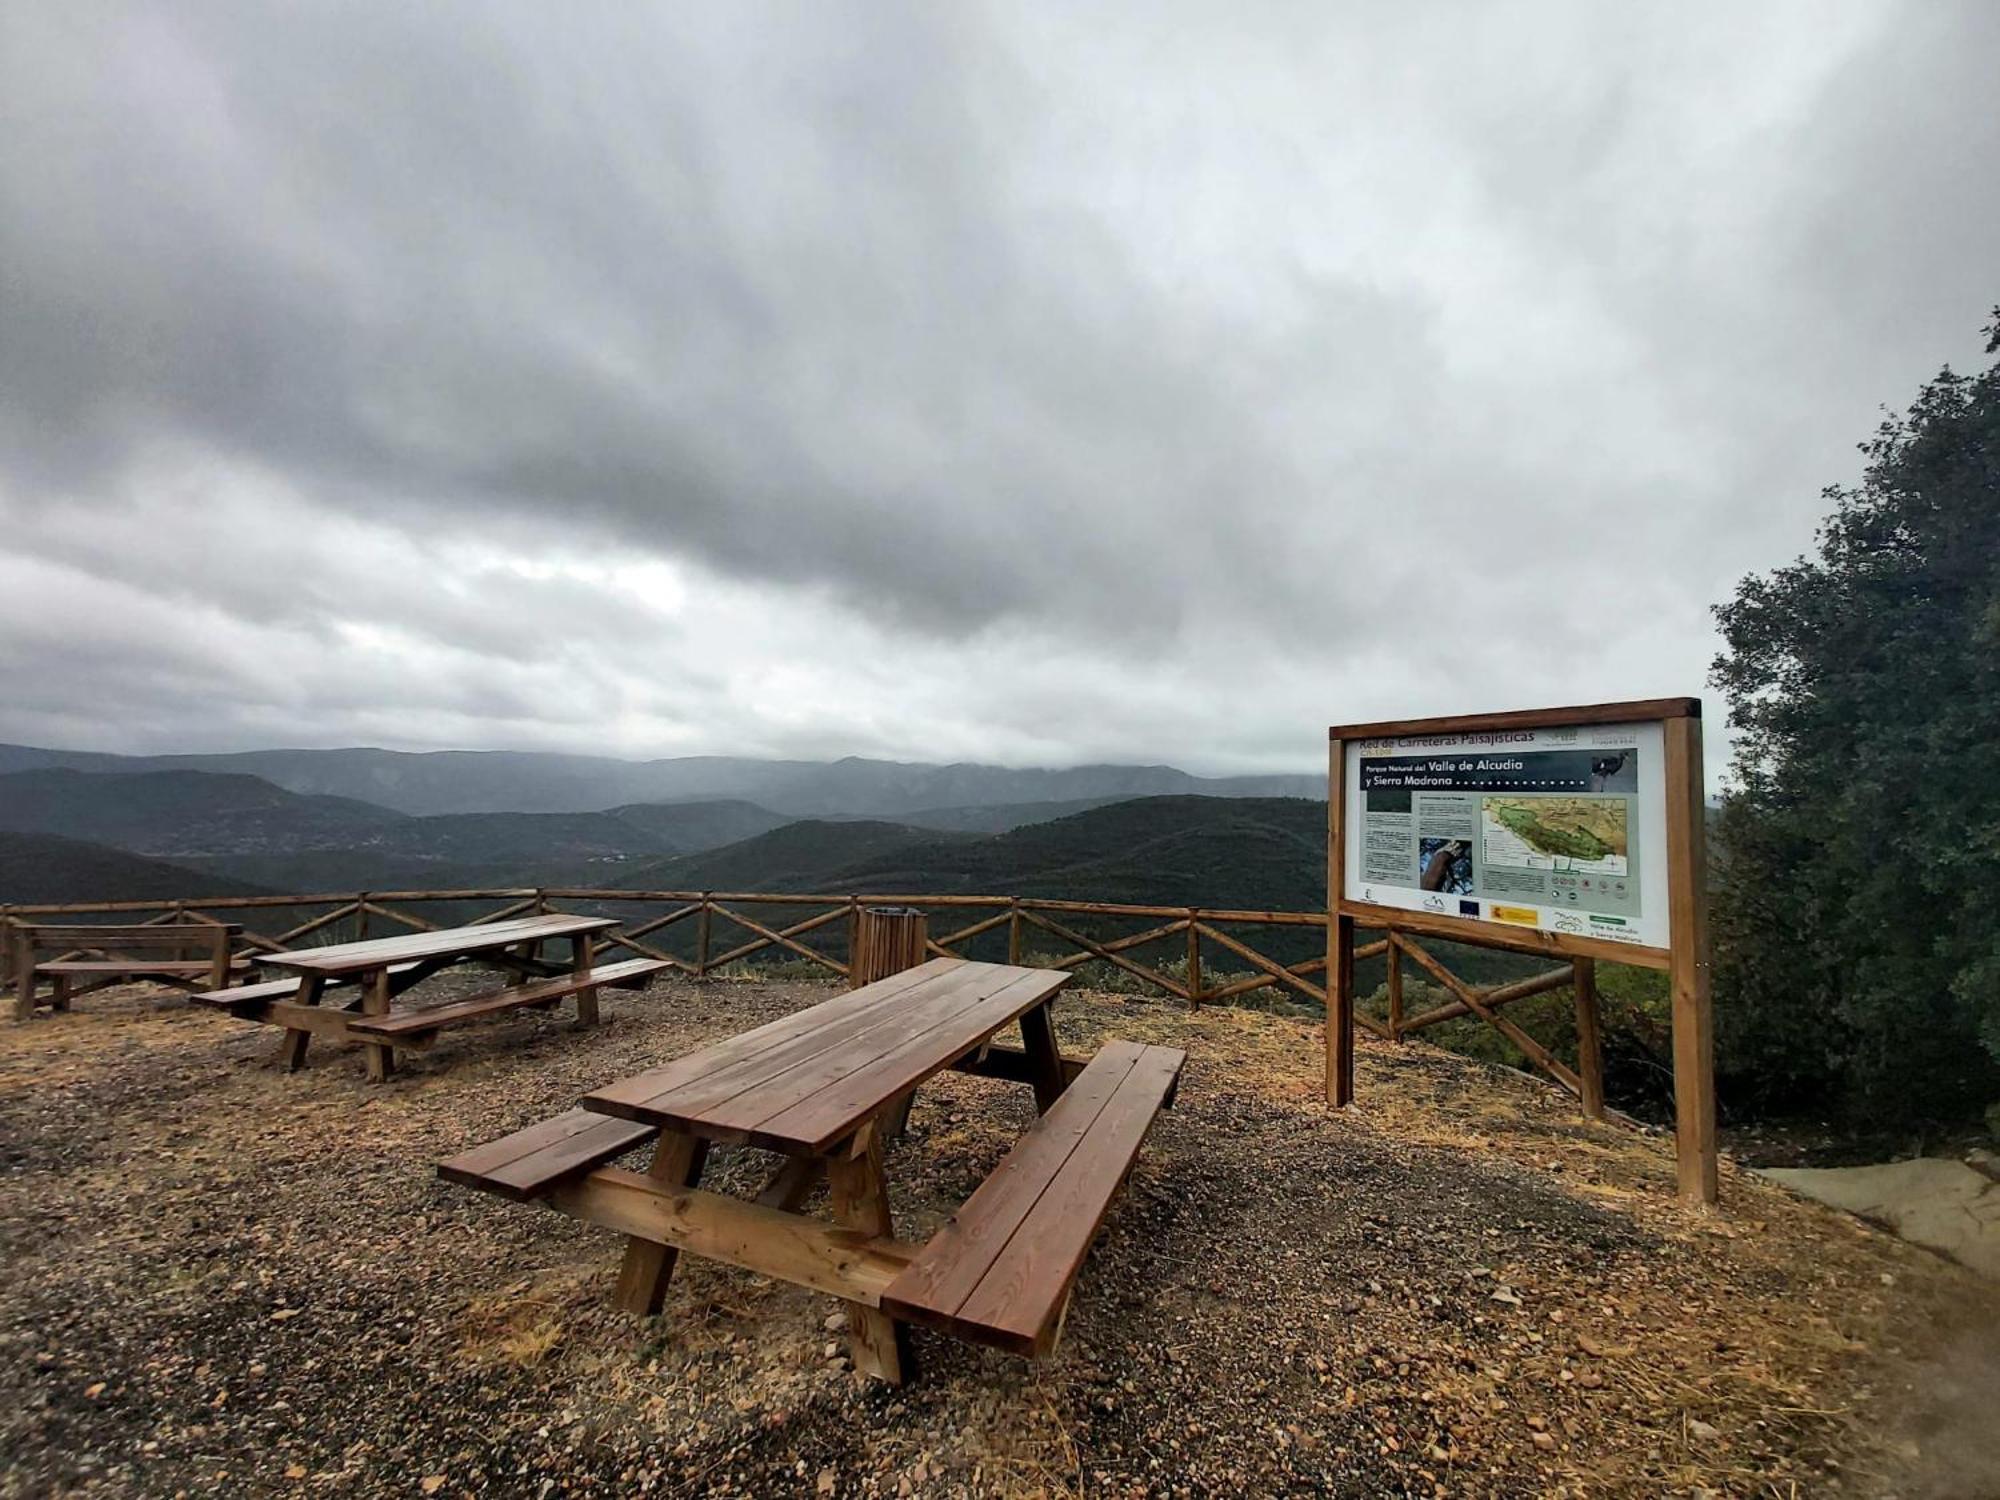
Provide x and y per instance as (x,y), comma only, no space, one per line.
(631,1097)
(374,953)
(825,1052)
(827,1108)
(853,1055)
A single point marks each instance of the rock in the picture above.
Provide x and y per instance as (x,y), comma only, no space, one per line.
(1701,1432)
(835,1323)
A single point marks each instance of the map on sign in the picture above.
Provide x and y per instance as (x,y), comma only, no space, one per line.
(1556,833)
(1561,829)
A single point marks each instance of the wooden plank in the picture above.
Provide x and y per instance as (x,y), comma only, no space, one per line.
(860,1203)
(1639,711)
(78,935)
(793,1182)
(1109,954)
(1534,1050)
(649,1260)
(1044,1055)
(540,992)
(337,958)
(1019,1298)
(1395,991)
(782,938)
(375,1000)
(955,1259)
(1589,1039)
(1013,1065)
(532,1162)
(1687,926)
(1339,994)
(831,1111)
(134,966)
(1277,971)
(633,1097)
(789,1247)
(298,1037)
(1497,996)
(734,1102)
(757,945)
(1471,930)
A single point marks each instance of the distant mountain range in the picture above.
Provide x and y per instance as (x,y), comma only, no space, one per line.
(472,781)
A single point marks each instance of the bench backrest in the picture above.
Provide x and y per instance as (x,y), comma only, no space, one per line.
(200,939)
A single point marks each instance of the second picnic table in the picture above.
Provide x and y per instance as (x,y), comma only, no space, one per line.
(384,968)
(822,1088)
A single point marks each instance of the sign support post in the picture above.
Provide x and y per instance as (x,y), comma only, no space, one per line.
(1339,940)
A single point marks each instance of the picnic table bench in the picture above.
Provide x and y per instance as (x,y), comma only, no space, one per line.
(185,954)
(822,1088)
(383,968)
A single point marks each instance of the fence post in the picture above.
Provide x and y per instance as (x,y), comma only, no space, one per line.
(1589,1038)
(361,915)
(701,939)
(1395,956)
(1014,931)
(1194,959)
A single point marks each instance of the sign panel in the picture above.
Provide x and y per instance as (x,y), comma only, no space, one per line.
(1560,830)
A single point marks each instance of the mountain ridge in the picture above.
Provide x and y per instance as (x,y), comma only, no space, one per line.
(422,783)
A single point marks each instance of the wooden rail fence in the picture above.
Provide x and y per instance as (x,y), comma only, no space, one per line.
(1200,932)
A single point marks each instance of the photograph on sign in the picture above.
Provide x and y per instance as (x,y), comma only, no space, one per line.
(1562,830)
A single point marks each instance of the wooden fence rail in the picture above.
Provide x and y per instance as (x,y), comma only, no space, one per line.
(1189,935)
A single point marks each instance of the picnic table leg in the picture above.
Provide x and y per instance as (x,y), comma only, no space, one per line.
(1038,1039)
(59,995)
(649,1265)
(586,999)
(292,1047)
(861,1202)
(375,1002)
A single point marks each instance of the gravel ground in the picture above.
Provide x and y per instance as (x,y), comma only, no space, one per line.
(222,1278)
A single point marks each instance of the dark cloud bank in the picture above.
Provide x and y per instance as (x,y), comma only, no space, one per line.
(1005,384)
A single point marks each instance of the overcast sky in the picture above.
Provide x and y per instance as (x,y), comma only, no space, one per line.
(1033,384)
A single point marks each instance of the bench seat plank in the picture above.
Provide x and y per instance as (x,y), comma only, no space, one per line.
(134,966)
(533,1162)
(1000,1271)
(265,990)
(540,992)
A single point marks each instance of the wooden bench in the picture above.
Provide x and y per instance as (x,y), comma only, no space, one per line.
(184,954)
(415,1026)
(1000,1271)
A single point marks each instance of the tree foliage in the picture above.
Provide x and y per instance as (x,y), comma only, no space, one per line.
(1857,892)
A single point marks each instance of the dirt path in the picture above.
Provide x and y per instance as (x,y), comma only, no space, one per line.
(219,1276)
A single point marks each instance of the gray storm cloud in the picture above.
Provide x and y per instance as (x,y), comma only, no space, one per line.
(1302,364)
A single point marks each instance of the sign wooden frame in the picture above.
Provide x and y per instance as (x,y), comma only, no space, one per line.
(1685,958)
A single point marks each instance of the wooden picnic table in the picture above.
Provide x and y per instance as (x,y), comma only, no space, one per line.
(384,968)
(822,1088)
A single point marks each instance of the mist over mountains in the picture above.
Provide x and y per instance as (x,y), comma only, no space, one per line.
(481,781)
(74,825)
